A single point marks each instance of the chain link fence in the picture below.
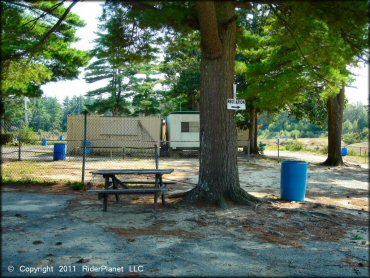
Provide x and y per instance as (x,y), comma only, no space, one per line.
(97,142)
(357,153)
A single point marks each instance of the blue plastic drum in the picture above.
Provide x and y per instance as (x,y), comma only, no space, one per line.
(61,137)
(344,151)
(44,142)
(60,151)
(263,147)
(293,181)
(88,144)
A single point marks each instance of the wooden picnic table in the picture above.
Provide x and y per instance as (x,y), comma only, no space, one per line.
(113,185)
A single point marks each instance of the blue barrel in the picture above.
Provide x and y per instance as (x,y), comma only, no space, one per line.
(44,141)
(60,151)
(88,144)
(61,137)
(263,147)
(293,181)
(344,151)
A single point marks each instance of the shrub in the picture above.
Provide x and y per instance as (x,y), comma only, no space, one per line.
(351,138)
(295,134)
(76,185)
(6,138)
(294,145)
(28,135)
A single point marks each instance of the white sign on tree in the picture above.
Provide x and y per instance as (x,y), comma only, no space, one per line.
(235,104)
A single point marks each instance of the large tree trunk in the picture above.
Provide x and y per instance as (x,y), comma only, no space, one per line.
(253,130)
(218,173)
(335,120)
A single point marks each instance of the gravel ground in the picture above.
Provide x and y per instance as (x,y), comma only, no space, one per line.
(39,230)
(327,235)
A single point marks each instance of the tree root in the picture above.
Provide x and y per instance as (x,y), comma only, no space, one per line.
(237,196)
(334,163)
(241,197)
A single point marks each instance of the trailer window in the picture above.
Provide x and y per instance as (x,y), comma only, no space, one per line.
(189,126)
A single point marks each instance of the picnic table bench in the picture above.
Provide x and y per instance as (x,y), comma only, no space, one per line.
(114,186)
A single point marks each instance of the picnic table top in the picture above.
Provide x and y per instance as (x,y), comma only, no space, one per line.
(133,171)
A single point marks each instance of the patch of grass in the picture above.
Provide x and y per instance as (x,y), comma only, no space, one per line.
(357,237)
(294,145)
(275,148)
(324,150)
(75,185)
(33,181)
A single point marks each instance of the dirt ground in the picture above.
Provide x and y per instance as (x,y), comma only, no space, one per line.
(327,235)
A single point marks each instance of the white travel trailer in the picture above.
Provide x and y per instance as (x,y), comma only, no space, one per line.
(183,131)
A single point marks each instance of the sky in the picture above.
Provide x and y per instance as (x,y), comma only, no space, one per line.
(89,11)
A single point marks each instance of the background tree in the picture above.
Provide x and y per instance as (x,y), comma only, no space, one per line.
(181,67)
(74,106)
(328,46)
(120,47)
(146,100)
(291,54)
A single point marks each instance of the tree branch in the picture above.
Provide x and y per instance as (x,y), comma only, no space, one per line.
(211,43)
(140,5)
(43,39)
(44,13)
(310,67)
(347,39)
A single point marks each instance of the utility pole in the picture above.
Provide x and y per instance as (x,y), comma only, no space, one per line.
(26,112)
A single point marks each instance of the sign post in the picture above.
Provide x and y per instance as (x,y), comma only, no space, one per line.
(235,104)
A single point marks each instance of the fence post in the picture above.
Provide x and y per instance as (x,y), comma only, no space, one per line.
(20,142)
(278,143)
(156,156)
(84,148)
(366,154)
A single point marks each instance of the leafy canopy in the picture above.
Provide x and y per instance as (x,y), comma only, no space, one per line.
(36,45)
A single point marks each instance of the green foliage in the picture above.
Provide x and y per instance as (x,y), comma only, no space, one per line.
(295,55)
(28,136)
(355,123)
(10,181)
(29,59)
(121,49)
(357,237)
(351,138)
(285,124)
(14,112)
(146,100)
(24,77)
(181,67)
(293,145)
(295,134)
(76,185)
(46,115)
(74,106)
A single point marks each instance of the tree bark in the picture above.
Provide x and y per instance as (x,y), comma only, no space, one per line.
(218,173)
(335,120)
(253,130)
